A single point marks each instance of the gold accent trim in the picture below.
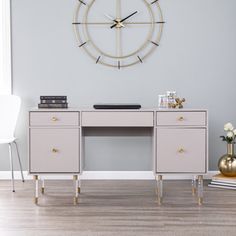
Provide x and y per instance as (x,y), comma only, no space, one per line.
(78,190)
(36,177)
(193,191)
(181,118)
(75,177)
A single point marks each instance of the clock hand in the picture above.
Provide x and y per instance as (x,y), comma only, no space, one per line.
(129,16)
(111,18)
(124,19)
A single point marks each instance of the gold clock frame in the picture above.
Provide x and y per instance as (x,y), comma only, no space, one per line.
(119,56)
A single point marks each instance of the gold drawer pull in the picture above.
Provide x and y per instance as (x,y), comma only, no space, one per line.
(181,118)
(54,150)
(54,118)
(181,150)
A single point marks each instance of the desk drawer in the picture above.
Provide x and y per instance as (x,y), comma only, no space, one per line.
(181,150)
(54,118)
(54,150)
(117,119)
(181,118)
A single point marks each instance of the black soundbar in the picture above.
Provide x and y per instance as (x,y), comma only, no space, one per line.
(117,106)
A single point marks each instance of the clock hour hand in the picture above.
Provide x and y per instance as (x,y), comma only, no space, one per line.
(124,19)
(111,18)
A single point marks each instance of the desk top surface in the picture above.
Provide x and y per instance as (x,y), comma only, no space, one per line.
(89,109)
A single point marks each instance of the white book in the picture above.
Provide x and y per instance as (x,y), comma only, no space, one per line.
(221,186)
(223,183)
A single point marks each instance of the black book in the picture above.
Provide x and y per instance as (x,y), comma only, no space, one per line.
(53,101)
(65,105)
(53,97)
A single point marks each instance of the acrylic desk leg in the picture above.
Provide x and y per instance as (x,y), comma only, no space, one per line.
(200,190)
(75,177)
(159,189)
(36,196)
(43,186)
(194,185)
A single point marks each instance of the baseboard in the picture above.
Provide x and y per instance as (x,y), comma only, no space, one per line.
(106,175)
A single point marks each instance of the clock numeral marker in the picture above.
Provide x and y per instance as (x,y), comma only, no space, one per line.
(160,22)
(82,2)
(155,43)
(119,65)
(76,23)
(140,59)
(81,45)
(154,2)
(98,59)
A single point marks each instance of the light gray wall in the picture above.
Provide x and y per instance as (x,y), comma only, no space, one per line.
(197,58)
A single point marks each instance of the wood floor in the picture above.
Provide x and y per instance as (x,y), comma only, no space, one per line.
(116,208)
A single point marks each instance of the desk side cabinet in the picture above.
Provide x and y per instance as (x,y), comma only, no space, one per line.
(182,147)
(54,146)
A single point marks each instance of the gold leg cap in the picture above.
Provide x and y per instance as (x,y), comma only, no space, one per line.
(36,200)
(76,200)
(200,201)
(159,201)
(193,191)
(42,190)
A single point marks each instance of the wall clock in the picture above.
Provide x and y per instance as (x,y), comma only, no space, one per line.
(118,33)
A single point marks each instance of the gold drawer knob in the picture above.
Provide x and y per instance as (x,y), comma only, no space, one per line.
(181,118)
(181,150)
(54,150)
(54,118)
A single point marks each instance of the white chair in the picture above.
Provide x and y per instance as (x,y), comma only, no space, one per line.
(9,110)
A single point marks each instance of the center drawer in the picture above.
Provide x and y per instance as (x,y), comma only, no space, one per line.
(117,119)
(54,118)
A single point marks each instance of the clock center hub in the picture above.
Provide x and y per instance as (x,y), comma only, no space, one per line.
(119,24)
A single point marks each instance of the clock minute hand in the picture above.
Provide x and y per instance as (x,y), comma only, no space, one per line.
(124,19)
(129,16)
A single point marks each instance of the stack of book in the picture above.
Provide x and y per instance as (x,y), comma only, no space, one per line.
(53,102)
(221,181)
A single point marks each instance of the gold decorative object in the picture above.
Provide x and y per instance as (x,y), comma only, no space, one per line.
(227,163)
(178,103)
